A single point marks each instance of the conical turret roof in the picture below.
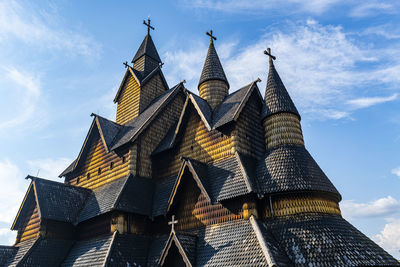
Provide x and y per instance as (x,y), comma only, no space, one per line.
(147,48)
(212,69)
(277,98)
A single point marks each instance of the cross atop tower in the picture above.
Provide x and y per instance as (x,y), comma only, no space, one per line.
(172,223)
(268,53)
(148,25)
(211,36)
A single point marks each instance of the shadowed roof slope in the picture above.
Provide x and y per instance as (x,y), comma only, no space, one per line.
(212,69)
(147,48)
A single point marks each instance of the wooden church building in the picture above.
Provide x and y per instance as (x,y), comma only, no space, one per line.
(218,178)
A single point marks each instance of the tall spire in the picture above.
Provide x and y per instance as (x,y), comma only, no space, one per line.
(146,58)
(281,118)
(277,98)
(213,85)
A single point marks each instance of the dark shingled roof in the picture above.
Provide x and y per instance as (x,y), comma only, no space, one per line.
(129,250)
(132,128)
(6,254)
(58,201)
(203,106)
(156,248)
(188,242)
(326,240)
(277,98)
(47,252)
(162,193)
(92,252)
(212,69)
(108,130)
(291,168)
(22,250)
(147,48)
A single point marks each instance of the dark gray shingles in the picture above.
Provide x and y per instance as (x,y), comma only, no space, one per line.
(326,240)
(58,201)
(156,248)
(277,98)
(162,193)
(69,169)
(188,243)
(232,243)
(147,48)
(201,171)
(90,252)
(47,252)
(22,249)
(226,111)
(204,107)
(109,130)
(291,168)
(212,69)
(6,254)
(129,250)
(132,128)
(167,142)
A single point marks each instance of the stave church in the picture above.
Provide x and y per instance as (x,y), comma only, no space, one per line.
(218,178)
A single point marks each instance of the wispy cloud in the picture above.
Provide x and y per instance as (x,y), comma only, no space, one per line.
(365,102)
(34,27)
(317,63)
(387,206)
(372,8)
(396,171)
(388,31)
(48,168)
(389,237)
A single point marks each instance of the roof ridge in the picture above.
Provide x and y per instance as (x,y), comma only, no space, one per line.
(267,253)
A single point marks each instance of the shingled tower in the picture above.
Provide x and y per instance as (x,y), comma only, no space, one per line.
(213,85)
(185,180)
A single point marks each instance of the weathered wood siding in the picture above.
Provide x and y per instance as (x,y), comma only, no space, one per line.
(97,163)
(30,227)
(193,210)
(213,91)
(153,135)
(248,135)
(283,129)
(94,227)
(139,64)
(129,100)
(197,143)
(152,89)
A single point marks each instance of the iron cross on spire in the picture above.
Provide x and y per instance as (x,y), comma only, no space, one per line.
(172,223)
(268,53)
(148,25)
(211,36)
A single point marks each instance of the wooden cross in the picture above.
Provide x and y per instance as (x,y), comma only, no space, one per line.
(268,53)
(211,36)
(172,223)
(148,25)
(126,64)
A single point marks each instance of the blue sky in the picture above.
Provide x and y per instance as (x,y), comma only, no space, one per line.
(340,61)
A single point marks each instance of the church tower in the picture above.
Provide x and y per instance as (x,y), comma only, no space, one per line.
(280,116)
(213,85)
(142,83)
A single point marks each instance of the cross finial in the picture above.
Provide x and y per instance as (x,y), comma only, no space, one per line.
(211,36)
(268,53)
(126,64)
(148,25)
(172,223)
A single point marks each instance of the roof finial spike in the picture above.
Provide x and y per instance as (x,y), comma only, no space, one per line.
(212,37)
(268,53)
(148,25)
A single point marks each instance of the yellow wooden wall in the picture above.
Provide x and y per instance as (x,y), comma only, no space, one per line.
(213,91)
(30,227)
(157,130)
(139,64)
(129,100)
(198,143)
(96,158)
(248,135)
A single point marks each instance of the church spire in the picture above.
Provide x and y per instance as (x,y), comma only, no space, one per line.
(213,85)
(146,58)
(281,118)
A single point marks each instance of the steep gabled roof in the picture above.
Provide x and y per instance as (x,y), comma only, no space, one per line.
(291,168)
(22,250)
(186,245)
(212,69)
(133,128)
(130,194)
(7,253)
(55,201)
(147,48)
(277,98)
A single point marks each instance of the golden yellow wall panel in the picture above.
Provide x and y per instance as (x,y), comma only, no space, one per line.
(281,129)
(128,104)
(214,91)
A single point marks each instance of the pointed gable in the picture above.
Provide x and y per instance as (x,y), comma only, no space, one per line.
(179,250)
(147,48)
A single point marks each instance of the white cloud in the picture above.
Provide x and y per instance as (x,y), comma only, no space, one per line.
(7,237)
(23,89)
(317,63)
(371,8)
(49,168)
(381,207)
(389,31)
(24,22)
(12,190)
(396,171)
(370,101)
(389,237)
